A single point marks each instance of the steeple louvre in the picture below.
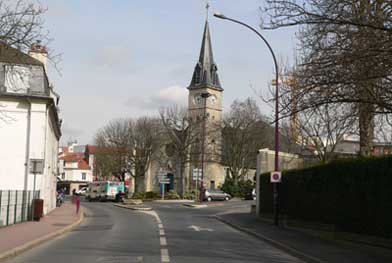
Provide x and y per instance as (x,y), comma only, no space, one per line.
(205,73)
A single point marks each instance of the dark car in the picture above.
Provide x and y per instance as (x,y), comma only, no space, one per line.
(250,195)
(211,195)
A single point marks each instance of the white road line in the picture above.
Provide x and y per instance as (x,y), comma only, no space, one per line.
(165,255)
(163,241)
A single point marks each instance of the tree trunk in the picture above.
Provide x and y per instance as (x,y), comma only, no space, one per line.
(366,125)
(139,184)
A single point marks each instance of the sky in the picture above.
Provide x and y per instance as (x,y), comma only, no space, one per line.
(128,58)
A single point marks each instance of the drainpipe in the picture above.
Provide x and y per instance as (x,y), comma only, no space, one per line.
(27,156)
(27,151)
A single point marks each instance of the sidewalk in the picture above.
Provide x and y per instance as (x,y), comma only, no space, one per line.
(17,238)
(303,246)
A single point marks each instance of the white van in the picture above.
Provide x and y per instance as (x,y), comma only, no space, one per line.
(106,190)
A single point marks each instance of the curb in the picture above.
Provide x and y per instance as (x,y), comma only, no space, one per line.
(194,205)
(137,208)
(175,201)
(20,249)
(292,251)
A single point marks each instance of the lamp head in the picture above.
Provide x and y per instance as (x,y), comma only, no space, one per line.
(220,15)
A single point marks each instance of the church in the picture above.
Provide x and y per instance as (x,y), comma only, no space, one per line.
(204,108)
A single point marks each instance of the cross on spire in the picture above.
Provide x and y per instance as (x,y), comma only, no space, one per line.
(207,9)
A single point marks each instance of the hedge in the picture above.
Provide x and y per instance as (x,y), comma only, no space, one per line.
(355,195)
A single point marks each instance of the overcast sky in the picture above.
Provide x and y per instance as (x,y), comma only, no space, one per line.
(126,58)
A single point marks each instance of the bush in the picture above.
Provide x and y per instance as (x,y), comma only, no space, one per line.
(190,195)
(354,194)
(171,195)
(152,195)
(239,191)
(139,195)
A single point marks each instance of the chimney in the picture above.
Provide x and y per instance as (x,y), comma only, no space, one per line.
(39,52)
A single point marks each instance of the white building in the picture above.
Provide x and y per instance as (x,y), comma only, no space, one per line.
(29,123)
(75,170)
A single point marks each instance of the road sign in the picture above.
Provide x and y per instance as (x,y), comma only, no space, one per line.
(167,181)
(196,174)
(36,166)
(276,177)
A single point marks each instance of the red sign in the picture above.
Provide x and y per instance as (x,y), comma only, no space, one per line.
(276,177)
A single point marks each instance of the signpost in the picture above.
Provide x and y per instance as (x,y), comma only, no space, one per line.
(36,167)
(163,180)
(196,176)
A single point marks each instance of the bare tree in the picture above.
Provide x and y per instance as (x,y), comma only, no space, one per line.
(21,23)
(128,146)
(321,129)
(112,156)
(245,131)
(346,56)
(182,134)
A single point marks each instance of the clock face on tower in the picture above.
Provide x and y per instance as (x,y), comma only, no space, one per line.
(199,100)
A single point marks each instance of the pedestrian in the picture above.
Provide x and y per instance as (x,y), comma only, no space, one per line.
(73,196)
(77,201)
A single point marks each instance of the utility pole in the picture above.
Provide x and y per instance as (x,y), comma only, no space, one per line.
(205,97)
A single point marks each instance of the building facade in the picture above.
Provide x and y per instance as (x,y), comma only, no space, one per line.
(29,124)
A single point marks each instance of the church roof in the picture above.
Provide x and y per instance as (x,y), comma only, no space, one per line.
(205,73)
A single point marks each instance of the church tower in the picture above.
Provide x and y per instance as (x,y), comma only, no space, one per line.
(205,110)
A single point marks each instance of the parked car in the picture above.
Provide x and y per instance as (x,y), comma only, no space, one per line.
(250,195)
(210,195)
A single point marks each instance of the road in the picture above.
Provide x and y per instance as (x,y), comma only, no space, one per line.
(169,233)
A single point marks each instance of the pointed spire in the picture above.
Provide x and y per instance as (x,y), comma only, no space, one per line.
(205,73)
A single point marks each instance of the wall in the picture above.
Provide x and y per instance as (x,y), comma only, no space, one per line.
(266,163)
(76,175)
(43,145)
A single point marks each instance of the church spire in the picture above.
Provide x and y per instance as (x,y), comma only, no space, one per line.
(205,73)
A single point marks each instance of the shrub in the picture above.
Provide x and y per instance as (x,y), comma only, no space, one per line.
(172,195)
(139,195)
(239,191)
(152,195)
(353,194)
(190,195)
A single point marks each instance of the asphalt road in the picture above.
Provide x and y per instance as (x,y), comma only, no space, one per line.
(170,233)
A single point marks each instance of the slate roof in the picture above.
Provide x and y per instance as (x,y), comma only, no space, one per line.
(205,73)
(12,55)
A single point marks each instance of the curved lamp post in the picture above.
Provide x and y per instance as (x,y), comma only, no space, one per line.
(205,96)
(275,185)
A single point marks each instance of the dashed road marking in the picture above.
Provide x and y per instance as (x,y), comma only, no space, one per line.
(165,255)
(162,239)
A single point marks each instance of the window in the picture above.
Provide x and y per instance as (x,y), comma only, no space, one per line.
(83,176)
(63,176)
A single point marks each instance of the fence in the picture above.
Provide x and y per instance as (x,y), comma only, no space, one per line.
(15,206)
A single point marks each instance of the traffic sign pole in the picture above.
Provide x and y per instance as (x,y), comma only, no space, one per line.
(163,191)
(276,178)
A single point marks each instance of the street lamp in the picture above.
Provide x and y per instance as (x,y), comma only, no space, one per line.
(275,185)
(205,97)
